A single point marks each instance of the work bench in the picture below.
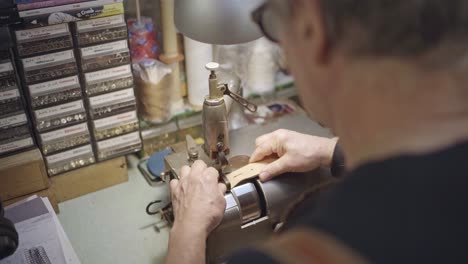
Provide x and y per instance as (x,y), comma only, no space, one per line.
(111,226)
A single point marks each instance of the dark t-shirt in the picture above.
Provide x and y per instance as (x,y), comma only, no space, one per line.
(407,209)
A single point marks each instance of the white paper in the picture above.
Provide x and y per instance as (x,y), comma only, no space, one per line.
(42,32)
(117,120)
(61,8)
(65,132)
(6,67)
(40,233)
(73,107)
(122,141)
(112,98)
(54,85)
(104,48)
(68,251)
(43,60)
(76,152)
(98,23)
(42,230)
(13,120)
(18,144)
(113,73)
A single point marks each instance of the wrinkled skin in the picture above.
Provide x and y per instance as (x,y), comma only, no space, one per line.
(297,152)
(189,198)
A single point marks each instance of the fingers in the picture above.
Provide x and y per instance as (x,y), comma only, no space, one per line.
(261,139)
(222,188)
(211,174)
(198,171)
(188,174)
(198,167)
(277,134)
(269,144)
(185,171)
(261,149)
(266,149)
(274,169)
(174,184)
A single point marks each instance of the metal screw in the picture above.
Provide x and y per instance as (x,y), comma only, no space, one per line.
(193,154)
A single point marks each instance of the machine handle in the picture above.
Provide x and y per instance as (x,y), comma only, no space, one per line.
(148,208)
(241,100)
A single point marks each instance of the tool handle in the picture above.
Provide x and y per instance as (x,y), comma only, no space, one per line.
(148,208)
(241,100)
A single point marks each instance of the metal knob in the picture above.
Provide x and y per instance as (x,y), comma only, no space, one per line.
(212,66)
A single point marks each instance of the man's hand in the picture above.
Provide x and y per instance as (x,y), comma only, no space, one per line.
(198,199)
(198,202)
(297,152)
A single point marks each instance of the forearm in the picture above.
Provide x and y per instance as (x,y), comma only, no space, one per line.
(186,245)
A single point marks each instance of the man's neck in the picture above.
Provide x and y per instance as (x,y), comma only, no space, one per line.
(392,108)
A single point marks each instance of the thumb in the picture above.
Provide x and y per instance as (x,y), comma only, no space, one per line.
(274,169)
(222,188)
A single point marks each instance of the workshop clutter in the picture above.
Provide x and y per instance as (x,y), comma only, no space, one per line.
(152,80)
(159,72)
(15,132)
(24,5)
(108,81)
(74,64)
(143,39)
(50,76)
(59,12)
(256,63)
(76,82)
(152,76)
(153,95)
(197,55)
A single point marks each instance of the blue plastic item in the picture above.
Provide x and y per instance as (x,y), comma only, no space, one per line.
(156,162)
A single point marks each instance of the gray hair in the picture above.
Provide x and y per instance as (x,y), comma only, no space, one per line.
(396,27)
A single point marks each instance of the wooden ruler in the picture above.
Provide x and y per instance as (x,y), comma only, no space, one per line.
(249,171)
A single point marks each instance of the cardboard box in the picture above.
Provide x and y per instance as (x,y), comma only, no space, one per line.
(89,179)
(22,174)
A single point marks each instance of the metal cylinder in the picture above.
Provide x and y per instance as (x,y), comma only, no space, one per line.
(232,216)
(248,201)
(283,192)
(215,127)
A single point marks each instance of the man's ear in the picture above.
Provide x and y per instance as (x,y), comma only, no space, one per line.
(309,21)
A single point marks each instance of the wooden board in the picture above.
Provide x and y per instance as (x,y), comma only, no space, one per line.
(247,172)
(44,193)
(22,174)
(89,179)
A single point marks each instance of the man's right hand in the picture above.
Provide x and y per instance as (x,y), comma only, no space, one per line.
(297,152)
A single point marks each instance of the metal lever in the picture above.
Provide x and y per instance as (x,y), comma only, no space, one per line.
(241,100)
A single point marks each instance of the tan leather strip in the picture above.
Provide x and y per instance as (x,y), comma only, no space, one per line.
(249,171)
(310,246)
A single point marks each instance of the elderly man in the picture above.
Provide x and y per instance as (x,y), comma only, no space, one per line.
(390,78)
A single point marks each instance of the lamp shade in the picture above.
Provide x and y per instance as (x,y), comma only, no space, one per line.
(221,22)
